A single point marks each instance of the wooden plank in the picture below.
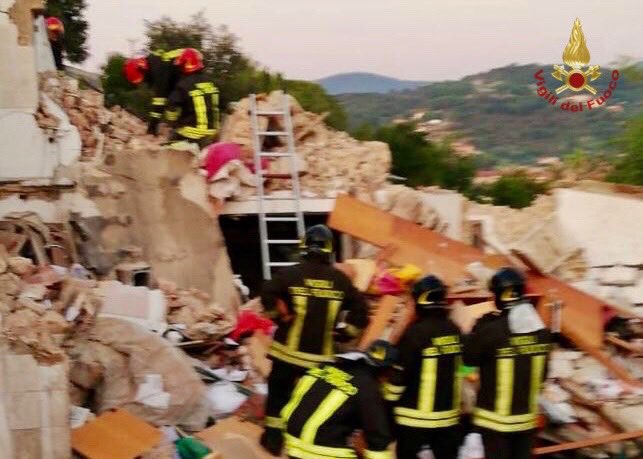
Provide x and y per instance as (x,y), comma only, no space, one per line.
(379,322)
(589,442)
(115,435)
(582,314)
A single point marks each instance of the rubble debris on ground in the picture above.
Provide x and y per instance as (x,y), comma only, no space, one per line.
(330,161)
(126,185)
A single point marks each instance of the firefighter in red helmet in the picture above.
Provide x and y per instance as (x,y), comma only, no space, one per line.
(158,70)
(193,104)
(55,33)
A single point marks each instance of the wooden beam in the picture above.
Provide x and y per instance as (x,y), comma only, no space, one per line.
(582,314)
(379,322)
(589,442)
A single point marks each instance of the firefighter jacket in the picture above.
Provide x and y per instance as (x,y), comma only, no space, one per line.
(314,294)
(161,76)
(425,384)
(193,106)
(328,404)
(512,369)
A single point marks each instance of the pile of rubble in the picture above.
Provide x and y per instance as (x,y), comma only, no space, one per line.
(331,162)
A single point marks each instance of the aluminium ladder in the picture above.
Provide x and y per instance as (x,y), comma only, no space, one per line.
(265,217)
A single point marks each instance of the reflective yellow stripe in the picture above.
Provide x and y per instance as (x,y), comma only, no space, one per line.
(457,386)
(511,419)
(352,330)
(377,454)
(516,423)
(298,393)
(294,334)
(422,415)
(331,315)
(155,115)
(505,383)
(426,423)
(428,380)
(302,359)
(271,421)
(298,448)
(326,409)
(537,368)
(159,100)
(172,115)
(168,56)
(200,110)
(194,133)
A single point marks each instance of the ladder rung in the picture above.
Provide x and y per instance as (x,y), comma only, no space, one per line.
(283,241)
(282,263)
(275,133)
(281,219)
(274,154)
(270,112)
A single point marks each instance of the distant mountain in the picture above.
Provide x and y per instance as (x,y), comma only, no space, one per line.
(501,114)
(361,82)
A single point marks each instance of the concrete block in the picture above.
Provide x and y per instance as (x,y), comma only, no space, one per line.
(54,409)
(56,443)
(24,410)
(23,374)
(53,377)
(26,444)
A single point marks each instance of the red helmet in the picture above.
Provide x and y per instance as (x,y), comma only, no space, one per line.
(55,25)
(135,69)
(190,61)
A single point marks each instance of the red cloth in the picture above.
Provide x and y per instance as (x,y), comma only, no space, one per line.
(249,322)
(218,155)
(222,152)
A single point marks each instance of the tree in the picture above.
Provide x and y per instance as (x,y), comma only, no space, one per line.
(515,190)
(629,167)
(235,74)
(425,163)
(72,14)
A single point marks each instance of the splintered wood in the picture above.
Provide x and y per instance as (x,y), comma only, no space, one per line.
(582,314)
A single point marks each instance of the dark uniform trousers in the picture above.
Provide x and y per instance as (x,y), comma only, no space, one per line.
(281,381)
(314,293)
(444,442)
(501,445)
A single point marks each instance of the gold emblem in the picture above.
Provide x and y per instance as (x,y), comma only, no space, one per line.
(576,56)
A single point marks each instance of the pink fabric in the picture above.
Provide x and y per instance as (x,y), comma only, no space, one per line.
(387,284)
(218,155)
(248,322)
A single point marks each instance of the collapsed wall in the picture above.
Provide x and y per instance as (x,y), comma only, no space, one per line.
(145,196)
(330,162)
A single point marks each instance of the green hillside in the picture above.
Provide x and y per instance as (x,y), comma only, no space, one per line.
(502,114)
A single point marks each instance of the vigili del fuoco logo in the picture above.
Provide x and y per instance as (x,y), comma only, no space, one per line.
(576,75)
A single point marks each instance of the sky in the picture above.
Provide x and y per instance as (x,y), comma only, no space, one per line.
(426,40)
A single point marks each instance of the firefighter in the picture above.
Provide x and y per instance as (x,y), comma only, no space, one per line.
(330,402)
(193,105)
(510,347)
(56,35)
(159,70)
(306,301)
(425,385)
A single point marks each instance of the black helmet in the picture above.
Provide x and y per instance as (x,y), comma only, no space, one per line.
(318,240)
(507,286)
(429,293)
(381,354)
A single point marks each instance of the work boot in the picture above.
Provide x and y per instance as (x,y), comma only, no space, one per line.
(272,440)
